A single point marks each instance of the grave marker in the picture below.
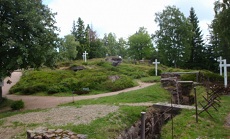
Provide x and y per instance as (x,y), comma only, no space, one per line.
(223,63)
(220,60)
(84,56)
(156,63)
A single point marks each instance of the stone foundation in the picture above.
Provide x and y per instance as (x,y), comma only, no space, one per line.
(45,133)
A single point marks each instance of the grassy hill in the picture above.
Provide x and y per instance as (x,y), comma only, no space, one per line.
(96,78)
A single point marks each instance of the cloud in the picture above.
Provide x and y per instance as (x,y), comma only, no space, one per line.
(122,17)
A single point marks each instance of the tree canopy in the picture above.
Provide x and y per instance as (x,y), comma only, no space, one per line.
(220,29)
(173,36)
(140,45)
(68,49)
(27,37)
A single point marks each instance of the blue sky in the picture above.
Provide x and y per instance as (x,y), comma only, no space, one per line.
(123,17)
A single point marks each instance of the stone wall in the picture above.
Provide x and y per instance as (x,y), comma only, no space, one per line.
(154,120)
(181,92)
(45,133)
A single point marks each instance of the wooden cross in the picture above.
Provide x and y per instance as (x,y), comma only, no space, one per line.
(220,60)
(156,63)
(84,56)
(223,63)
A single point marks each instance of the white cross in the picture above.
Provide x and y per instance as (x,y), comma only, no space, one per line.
(223,63)
(156,66)
(84,56)
(220,60)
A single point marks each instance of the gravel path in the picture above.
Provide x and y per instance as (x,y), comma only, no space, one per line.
(55,116)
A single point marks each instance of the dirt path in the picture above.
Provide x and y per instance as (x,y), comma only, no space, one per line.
(41,102)
(15,77)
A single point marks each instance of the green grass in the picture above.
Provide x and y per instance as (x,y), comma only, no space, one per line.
(151,79)
(185,125)
(154,93)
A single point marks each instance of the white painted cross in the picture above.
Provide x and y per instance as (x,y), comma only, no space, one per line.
(84,56)
(223,63)
(220,60)
(156,63)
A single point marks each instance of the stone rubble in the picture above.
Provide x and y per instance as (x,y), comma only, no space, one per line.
(45,133)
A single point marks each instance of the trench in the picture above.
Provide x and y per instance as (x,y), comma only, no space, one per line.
(155,117)
(158,115)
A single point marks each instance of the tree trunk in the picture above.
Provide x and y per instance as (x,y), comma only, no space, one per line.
(0,94)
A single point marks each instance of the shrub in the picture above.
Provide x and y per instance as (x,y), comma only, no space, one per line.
(188,77)
(17,105)
(56,89)
(213,77)
(40,81)
(152,72)
(39,87)
(119,84)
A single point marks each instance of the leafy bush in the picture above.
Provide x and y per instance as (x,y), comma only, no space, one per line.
(39,81)
(213,77)
(17,105)
(188,77)
(40,87)
(95,77)
(119,84)
(152,72)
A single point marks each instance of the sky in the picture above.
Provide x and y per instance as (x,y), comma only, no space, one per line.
(124,17)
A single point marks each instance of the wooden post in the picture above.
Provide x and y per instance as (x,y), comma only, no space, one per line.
(142,125)
(196,104)
(1,84)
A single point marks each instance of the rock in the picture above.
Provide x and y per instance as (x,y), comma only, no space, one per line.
(77,68)
(114,78)
(45,133)
(58,131)
(81,136)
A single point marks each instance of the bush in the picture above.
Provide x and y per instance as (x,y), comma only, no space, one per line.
(56,89)
(152,72)
(119,84)
(17,105)
(40,87)
(213,77)
(188,77)
(40,81)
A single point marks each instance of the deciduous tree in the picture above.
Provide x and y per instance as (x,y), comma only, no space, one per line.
(68,49)
(27,36)
(173,36)
(140,45)
(221,28)
(110,44)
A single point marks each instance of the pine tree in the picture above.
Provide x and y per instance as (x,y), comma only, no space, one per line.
(79,34)
(197,58)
